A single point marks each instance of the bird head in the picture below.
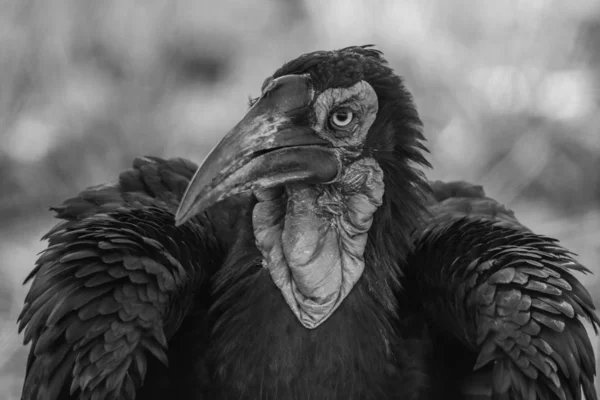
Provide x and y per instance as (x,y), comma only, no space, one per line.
(315,116)
(335,130)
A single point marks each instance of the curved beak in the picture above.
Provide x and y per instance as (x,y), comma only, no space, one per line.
(271,146)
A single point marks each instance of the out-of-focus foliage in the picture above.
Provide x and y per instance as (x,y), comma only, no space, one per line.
(509,92)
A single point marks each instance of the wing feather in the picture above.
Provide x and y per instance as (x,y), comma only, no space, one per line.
(507,294)
(113,284)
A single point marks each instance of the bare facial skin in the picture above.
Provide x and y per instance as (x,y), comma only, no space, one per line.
(360,99)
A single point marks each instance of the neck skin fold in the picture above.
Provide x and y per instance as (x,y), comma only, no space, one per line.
(313,238)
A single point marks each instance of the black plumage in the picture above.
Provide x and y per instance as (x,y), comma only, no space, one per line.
(131,301)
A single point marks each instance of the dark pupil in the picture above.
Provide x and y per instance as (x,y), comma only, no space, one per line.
(342,116)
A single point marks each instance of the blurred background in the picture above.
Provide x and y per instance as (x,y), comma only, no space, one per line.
(509,92)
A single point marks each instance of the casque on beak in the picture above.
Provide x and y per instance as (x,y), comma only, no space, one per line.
(272,145)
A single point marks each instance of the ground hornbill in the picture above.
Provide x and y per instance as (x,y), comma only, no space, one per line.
(306,258)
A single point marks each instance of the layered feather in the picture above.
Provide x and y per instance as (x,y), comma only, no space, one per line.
(507,295)
(113,285)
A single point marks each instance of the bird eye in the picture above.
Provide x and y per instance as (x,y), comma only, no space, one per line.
(341,118)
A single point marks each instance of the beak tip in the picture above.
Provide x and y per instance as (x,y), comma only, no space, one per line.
(187,210)
(178,222)
(181,216)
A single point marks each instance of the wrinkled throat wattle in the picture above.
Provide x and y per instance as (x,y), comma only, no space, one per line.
(313,238)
